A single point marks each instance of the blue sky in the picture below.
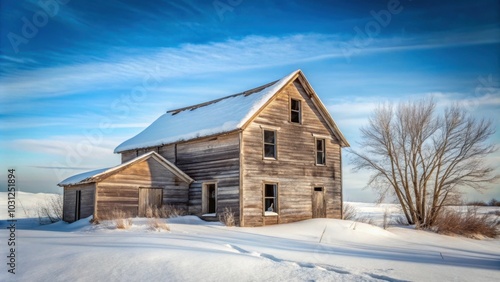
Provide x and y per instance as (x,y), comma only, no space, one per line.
(79,77)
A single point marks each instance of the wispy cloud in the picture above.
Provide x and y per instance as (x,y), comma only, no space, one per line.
(74,122)
(17,60)
(59,11)
(63,167)
(364,106)
(190,59)
(441,39)
(63,145)
(353,113)
(356,107)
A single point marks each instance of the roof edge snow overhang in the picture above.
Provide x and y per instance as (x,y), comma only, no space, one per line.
(111,171)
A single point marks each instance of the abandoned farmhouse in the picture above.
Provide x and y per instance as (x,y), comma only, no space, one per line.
(272,154)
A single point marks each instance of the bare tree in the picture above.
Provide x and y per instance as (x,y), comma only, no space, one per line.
(424,158)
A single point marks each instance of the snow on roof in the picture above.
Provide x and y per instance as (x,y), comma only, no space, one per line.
(82,177)
(214,117)
(92,176)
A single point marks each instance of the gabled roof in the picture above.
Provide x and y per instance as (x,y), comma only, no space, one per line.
(101,174)
(219,116)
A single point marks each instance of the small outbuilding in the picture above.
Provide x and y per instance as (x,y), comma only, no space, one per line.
(146,181)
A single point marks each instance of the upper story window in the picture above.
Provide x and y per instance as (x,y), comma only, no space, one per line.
(320,152)
(295,111)
(270,144)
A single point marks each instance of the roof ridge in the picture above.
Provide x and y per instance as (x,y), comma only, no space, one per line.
(245,93)
(233,114)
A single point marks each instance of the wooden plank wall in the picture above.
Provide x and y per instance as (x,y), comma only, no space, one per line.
(212,160)
(128,155)
(69,205)
(122,189)
(205,160)
(294,170)
(86,203)
(195,198)
(167,151)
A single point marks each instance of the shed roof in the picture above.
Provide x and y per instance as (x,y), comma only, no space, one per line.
(215,117)
(103,173)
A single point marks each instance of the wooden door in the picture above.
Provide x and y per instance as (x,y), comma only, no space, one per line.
(318,203)
(149,197)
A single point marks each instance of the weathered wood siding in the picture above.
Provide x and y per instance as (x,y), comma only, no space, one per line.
(86,201)
(128,155)
(149,198)
(121,190)
(205,160)
(295,170)
(212,160)
(166,151)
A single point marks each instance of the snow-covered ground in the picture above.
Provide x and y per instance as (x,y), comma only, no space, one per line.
(193,250)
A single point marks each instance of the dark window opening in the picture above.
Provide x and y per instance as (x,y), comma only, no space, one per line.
(269,144)
(318,189)
(320,151)
(295,109)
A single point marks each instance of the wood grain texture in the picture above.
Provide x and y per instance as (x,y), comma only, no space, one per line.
(234,161)
(149,198)
(128,155)
(295,168)
(212,160)
(318,207)
(86,201)
(121,190)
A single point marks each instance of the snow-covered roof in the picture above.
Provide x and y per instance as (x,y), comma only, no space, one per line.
(210,118)
(99,174)
(80,178)
(215,117)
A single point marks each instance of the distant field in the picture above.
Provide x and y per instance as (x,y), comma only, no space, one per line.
(376,212)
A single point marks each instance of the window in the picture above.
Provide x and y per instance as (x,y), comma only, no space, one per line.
(270,199)
(318,189)
(320,151)
(269,144)
(295,111)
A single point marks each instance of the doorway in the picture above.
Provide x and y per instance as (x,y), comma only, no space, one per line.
(209,204)
(149,197)
(318,203)
(78,204)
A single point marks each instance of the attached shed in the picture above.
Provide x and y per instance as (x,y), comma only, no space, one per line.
(146,181)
